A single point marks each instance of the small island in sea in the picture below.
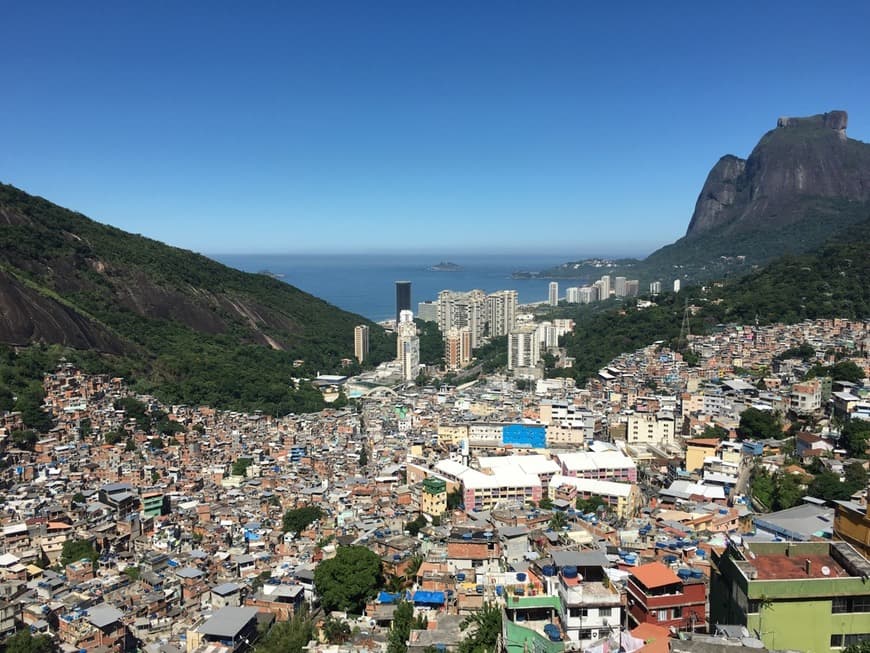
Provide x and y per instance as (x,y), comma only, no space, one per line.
(446,266)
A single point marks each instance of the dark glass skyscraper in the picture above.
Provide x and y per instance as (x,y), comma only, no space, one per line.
(403,297)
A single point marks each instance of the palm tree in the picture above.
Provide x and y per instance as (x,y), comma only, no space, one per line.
(558,520)
(486,629)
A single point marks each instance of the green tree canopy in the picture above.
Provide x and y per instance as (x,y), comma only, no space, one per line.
(763,424)
(827,486)
(74,550)
(484,626)
(288,636)
(854,436)
(297,520)
(346,581)
(24,642)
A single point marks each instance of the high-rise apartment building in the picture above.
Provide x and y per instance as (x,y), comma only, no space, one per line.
(554,293)
(604,287)
(361,342)
(589,294)
(572,295)
(500,312)
(408,345)
(676,285)
(524,349)
(655,288)
(427,311)
(632,287)
(619,286)
(403,297)
(462,309)
(457,348)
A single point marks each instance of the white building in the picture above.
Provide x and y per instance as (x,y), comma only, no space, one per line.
(524,349)
(554,293)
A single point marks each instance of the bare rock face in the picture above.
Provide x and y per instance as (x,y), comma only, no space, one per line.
(803,158)
(718,193)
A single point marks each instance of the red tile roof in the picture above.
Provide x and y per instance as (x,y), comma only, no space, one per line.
(655,574)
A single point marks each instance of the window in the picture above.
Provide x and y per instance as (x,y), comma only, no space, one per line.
(678,613)
(836,641)
(754,606)
(662,615)
(605,612)
(841,604)
(848,640)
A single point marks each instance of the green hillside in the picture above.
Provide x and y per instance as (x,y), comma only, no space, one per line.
(181,325)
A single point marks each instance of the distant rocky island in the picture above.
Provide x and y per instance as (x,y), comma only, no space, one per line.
(446,266)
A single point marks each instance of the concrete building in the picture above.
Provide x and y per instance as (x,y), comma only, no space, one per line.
(553,293)
(408,346)
(619,286)
(656,595)
(361,342)
(806,596)
(604,465)
(403,298)
(524,349)
(572,295)
(500,312)
(651,428)
(622,498)
(433,500)
(655,288)
(463,309)
(457,348)
(589,294)
(852,525)
(427,311)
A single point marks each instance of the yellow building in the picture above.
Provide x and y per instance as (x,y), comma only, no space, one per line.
(852,525)
(434,497)
(697,450)
(452,435)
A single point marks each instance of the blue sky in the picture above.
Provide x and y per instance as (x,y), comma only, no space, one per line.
(431,126)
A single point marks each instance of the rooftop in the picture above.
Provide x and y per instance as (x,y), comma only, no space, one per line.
(655,574)
(785,567)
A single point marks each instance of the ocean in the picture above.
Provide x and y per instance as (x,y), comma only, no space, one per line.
(365,284)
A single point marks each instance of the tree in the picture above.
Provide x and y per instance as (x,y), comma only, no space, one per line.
(241,465)
(827,486)
(763,487)
(761,424)
(558,521)
(288,636)
(546,503)
(336,631)
(401,628)
(860,647)
(25,439)
(854,478)
(346,581)
(592,504)
(24,642)
(297,520)
(787,493)
(74,550)
(854,436)
(716,432)
(454,498)
(363,457)
(485,625)
(413,527)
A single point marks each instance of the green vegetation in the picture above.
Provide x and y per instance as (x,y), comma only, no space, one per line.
(557,521)
(336,631)
(75,550)
(592,504)
(716,432)
(288,636)
(759,424)
(25,642)
(827,485)
(804,352)
(298,519)
(485,628)
(186,328)
(241,465)
(431,342)
(776,492)
(404,622)
(413,527)
(132,573)
(348,580)
(854,437)
(840,371)
(454,498)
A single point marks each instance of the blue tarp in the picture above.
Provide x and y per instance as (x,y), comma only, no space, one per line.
(386,597)
(524,435)
(429,598)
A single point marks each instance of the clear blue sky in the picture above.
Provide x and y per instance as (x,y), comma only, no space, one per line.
(438,126)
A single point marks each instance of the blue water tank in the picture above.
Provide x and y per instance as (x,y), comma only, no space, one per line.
(479,589)
(521,577)
(723,511)
(684,573)
(700,553)
(499,590)
(466,536)
(697,573)
(460,577)
(569,572)
(661,545)
(631,558)
(548,570)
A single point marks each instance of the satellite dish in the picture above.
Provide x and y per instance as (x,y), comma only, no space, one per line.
(826,571)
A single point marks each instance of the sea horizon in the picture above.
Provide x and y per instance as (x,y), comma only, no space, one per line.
(365,283)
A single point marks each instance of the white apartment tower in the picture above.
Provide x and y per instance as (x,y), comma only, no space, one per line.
(500,312)
(554,293)
(462,309)
(408,345)
(361,342)
(619,286)
(524,349)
